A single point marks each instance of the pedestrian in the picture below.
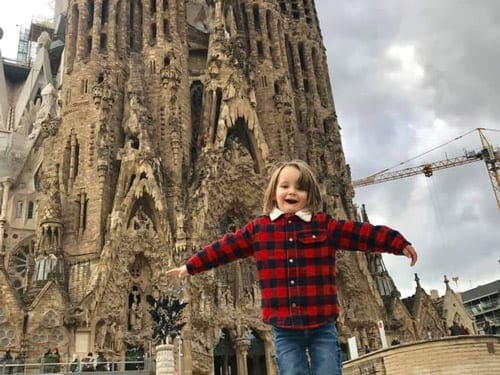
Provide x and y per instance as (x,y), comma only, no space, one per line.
(489,329)
(455,329)
(44,360)
(101,362)
(7,361)
(56,358)
(294,245)
(463,330)
(75,364)
(88,363)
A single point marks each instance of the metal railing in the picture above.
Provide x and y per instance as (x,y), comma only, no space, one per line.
(129,367)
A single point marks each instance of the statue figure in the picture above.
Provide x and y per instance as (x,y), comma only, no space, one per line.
(141,220)
(101,335)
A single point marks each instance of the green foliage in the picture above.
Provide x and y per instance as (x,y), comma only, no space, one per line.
(166,312)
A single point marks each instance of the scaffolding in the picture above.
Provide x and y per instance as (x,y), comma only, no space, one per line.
(28,37)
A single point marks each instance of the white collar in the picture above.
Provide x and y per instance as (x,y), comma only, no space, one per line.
(302,214)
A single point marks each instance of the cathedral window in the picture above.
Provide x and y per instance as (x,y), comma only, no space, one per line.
(103,41)
(256,18)
(104,12)
(264,81)
(153,7)
(37,179)
(89,44)
(283,6)
(31,209)
(306,85)
(277,88)
(165,4)
(153,32)
(269,25)
(196,110)
(260,49)
(291,63)
(7,336)
(244,24)
(320,80)
(307,11)
(217,111)
(83,225)
(19,209)
(90,10)
(84,86)
(18,262)
(295,10)
(302,57)
(38,95)
(245,18)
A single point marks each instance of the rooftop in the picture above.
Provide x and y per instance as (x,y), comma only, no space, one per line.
(481,291)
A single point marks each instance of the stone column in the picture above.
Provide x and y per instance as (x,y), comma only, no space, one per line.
(165,359)
(96,29)
(241,345)
(5,197)
(271,367)
(3,216)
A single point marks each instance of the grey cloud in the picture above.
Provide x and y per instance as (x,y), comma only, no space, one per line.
(452,218)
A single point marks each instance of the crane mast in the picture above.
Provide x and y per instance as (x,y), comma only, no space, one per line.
(487,153)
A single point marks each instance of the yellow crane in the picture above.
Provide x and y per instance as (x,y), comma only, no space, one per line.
(487,153)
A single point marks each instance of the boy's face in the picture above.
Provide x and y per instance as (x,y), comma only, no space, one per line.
(289,197)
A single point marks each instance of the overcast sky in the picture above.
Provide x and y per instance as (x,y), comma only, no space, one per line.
(407,76)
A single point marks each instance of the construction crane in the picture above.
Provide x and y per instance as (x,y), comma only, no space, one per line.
(490,156)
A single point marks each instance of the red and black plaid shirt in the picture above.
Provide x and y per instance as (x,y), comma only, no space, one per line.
(296,262)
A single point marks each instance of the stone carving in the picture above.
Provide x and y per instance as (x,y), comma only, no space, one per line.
(137,124)
(141,221)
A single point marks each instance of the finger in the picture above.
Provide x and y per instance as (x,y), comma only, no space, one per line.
(172,271)
(412,254)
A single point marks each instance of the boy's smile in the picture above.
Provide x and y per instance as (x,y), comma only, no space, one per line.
(290,197)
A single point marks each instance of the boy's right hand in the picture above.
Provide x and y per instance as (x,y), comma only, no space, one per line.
(179,271)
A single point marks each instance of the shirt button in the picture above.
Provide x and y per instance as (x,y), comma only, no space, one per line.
(289,221)
(290,260)
(294,304)
(314,236)
(292,282)
(290,239)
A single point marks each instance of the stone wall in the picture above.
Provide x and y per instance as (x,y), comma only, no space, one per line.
(455,355)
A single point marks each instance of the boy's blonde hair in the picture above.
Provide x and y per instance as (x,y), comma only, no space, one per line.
(307,182)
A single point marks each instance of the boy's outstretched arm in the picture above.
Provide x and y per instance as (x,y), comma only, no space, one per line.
(179,271)
(410,252)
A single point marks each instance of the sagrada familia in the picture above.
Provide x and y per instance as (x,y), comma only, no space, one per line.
(144,129)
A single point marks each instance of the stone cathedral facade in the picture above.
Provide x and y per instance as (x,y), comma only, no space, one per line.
(153,134)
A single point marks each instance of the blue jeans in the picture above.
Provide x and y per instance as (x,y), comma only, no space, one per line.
(321,343)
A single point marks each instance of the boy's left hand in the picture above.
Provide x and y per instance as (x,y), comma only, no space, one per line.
(410,252)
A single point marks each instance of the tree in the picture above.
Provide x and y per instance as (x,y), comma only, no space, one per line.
(166,312)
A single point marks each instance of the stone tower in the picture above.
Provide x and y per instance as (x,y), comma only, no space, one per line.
(158,138)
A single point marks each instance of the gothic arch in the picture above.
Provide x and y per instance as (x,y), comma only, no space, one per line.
(224,354)
(142,186)
(246,129)
(142,214)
